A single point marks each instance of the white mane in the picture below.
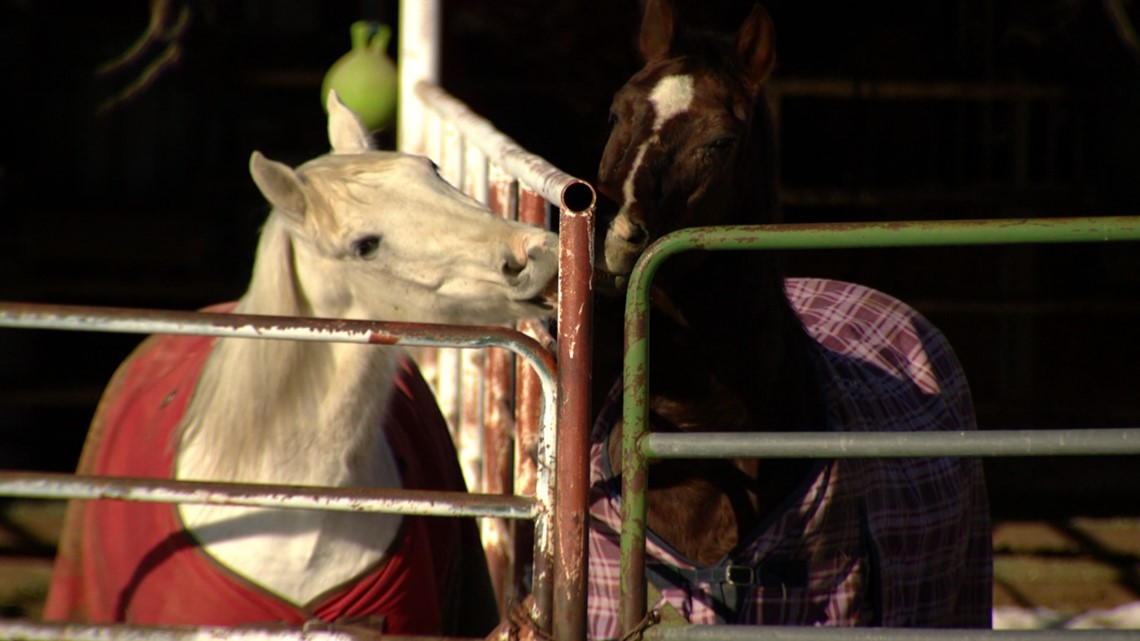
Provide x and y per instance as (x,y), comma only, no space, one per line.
(265,399)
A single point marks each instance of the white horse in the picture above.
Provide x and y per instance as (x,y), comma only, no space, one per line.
(355,234)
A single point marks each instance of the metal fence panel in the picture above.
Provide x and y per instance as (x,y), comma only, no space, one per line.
(638,445)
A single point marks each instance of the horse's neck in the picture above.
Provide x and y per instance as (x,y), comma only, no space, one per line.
(734,313)
(288,411)
(728,336)
(297,413)
(741,364)
(730,355)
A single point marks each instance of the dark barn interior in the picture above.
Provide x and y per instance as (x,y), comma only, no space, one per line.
(888,110)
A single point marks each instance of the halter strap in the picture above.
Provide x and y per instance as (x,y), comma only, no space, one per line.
(731,582)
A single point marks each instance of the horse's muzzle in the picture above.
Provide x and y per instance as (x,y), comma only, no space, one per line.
(625,240)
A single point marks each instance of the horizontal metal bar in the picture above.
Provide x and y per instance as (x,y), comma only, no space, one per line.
(776,633)
(1123,441)
(152,321)
(389,500)
(936,233)
(28,631)
(533,171)
(149,321)
(901,90)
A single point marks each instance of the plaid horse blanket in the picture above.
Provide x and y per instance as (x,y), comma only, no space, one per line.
(880,542)
(133,562)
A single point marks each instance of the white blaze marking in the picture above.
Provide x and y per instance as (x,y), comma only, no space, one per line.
(627,188)
(672,96)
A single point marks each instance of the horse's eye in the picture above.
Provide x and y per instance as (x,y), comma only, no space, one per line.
(720,145)
(366,246)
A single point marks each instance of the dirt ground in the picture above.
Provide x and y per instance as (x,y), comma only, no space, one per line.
(28,534)
(1068,566)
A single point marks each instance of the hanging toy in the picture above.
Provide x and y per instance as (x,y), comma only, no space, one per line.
(365,78)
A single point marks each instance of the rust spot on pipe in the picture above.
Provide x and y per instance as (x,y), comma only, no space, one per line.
(378,338)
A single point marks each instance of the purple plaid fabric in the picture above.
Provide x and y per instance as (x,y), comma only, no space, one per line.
(885,542)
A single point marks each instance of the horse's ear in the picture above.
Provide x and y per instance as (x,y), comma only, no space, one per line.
(347,133)
(657,29)
(756,47)
(279,184)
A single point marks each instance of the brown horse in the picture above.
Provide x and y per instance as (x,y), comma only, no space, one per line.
(735,347)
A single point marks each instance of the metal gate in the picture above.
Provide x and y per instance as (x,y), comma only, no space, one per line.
(528,191)
(639,445)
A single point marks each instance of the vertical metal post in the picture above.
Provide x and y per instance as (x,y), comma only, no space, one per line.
(529,210)
(497,468)
(575,337)
(419,59)
(634,477)
(498,538)
(528,402)
(532,208)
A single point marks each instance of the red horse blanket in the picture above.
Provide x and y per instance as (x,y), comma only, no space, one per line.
(883,542)
(133,562)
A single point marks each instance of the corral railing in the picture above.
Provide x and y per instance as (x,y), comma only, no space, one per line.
(531,495)
(639,445)
(520,185)
(474,393)
(534,506)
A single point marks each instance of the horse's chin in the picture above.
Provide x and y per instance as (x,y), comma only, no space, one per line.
(619,253)
(540,306)
(544,305)
(539,311)
(612,268)
(613,273)
(607,283)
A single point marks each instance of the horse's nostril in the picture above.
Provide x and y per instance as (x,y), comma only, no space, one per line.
(512,268)
(517,256)
(637,235)
(630,231)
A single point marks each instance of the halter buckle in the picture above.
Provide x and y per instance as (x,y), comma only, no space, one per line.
(739,575)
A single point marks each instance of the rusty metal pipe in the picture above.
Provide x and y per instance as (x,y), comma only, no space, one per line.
(532,207)
(224,325)
(42,485)
(575,365)
(29,631)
